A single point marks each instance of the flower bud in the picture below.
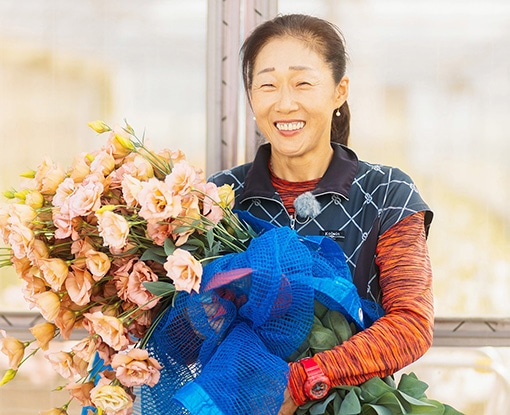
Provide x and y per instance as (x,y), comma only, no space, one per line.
(99,126)
(9,375)
(30,174)
(43,333)
(125,142)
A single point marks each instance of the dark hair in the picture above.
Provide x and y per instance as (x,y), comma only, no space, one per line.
(322,36)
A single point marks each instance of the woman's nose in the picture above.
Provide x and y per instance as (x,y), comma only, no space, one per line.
(286,101)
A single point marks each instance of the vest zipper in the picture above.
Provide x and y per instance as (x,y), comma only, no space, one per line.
(292,221)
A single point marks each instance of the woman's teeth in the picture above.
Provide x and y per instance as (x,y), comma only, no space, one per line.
(290,126)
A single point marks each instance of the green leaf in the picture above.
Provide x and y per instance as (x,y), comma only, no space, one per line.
(372,409)
(160,288)
(320,406)
(210,237)
(155,253)
(448,410)
(390,400)
(321,338)
(169,246)
(373,389)
(334,320)
(412,386)
(350,405)
(419,406)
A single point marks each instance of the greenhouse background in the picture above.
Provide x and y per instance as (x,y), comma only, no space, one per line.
(430,93)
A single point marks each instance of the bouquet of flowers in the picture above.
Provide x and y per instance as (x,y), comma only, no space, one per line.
(186,305)
(103,246)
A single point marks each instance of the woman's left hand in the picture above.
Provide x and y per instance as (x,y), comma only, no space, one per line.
(288,406)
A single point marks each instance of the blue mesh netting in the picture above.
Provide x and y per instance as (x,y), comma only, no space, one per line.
(224,350)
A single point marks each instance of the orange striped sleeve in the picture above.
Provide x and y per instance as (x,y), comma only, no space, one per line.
(404,333)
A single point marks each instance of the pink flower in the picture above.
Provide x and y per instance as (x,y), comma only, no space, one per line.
(116,144)
(49,304)
(86,197)
(136,368)
(13,349)
(86,348)
(136,292)
(97,263)
(113,228)
(111,400)
(157,201)
(79,169)
(48,177)
(212,208)
(159,231)
(79,284)
(54,271)
(43,333)
(184,270)
(39,251)
(103,163)
(20,213)
(65,321)
(110,328)
(80,391)
(190,213)
(62,363)
(63,192)
(131,187)
(20,238)
(183,178)
(63,222)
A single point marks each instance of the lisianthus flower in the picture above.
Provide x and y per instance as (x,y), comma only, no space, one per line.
(80,168)
(131,187)
(109,328)
(39,251)
(183,178)
(63,192)
(190,212)
(20,238)
(54,271)
(184,270)
(103,163)
(97,263)
(112,400)
(48,177)
(49,304)
(34,199)
(81,392)
(136,368)
(136,292)
(159,231)
(13,348)
(43,333)
(158,202)
(86,348)
(62,363)
(79,284)
(211,208)
(86,198)
(65,320)
(113,228)
(33,286)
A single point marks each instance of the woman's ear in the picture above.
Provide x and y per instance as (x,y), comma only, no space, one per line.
(342,91)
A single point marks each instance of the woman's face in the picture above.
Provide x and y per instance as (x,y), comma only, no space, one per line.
(293,96)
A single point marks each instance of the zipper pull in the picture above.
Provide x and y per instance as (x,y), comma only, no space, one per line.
(292,221)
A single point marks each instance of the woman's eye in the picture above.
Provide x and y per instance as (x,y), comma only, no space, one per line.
(304,83)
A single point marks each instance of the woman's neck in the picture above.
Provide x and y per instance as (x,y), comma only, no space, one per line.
(300,169)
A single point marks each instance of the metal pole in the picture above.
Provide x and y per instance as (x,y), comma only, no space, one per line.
(228,23)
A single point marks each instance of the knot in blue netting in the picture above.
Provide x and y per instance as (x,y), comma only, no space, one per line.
(225,349)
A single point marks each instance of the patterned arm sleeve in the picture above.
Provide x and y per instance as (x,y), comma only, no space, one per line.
(405,332)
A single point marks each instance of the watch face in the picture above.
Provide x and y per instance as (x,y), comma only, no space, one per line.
(319,390)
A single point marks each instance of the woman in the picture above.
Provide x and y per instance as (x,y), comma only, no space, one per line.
(294,77)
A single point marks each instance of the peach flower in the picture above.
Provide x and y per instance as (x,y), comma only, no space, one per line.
(184,270)
(80,168)
(86,197)
(79,284)
(39,251)
(159,231)
(20,213)
(81,392)
(20,238)
(183,178)
(113,228)
(131,187)
(136,292)
(49,304)
(65,321)
(63,222)
(13,348)
(32,287)
(97,263)
(110,328)
(34,199)
(103,163)
(62,363)
(64,191)
(48,177)
(212,209)
(118,144)
(111,400)
(190,213)
(86,348)
(158,201)
(136,368)
(43,333)
(54,271)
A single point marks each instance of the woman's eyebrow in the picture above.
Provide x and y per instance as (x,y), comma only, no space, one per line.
(292,68)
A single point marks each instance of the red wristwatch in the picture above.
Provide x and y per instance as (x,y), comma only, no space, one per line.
(317,384)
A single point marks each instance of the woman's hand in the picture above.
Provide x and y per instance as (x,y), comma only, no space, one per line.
(288,406)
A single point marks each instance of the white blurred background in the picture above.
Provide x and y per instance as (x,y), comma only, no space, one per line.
(430,93)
